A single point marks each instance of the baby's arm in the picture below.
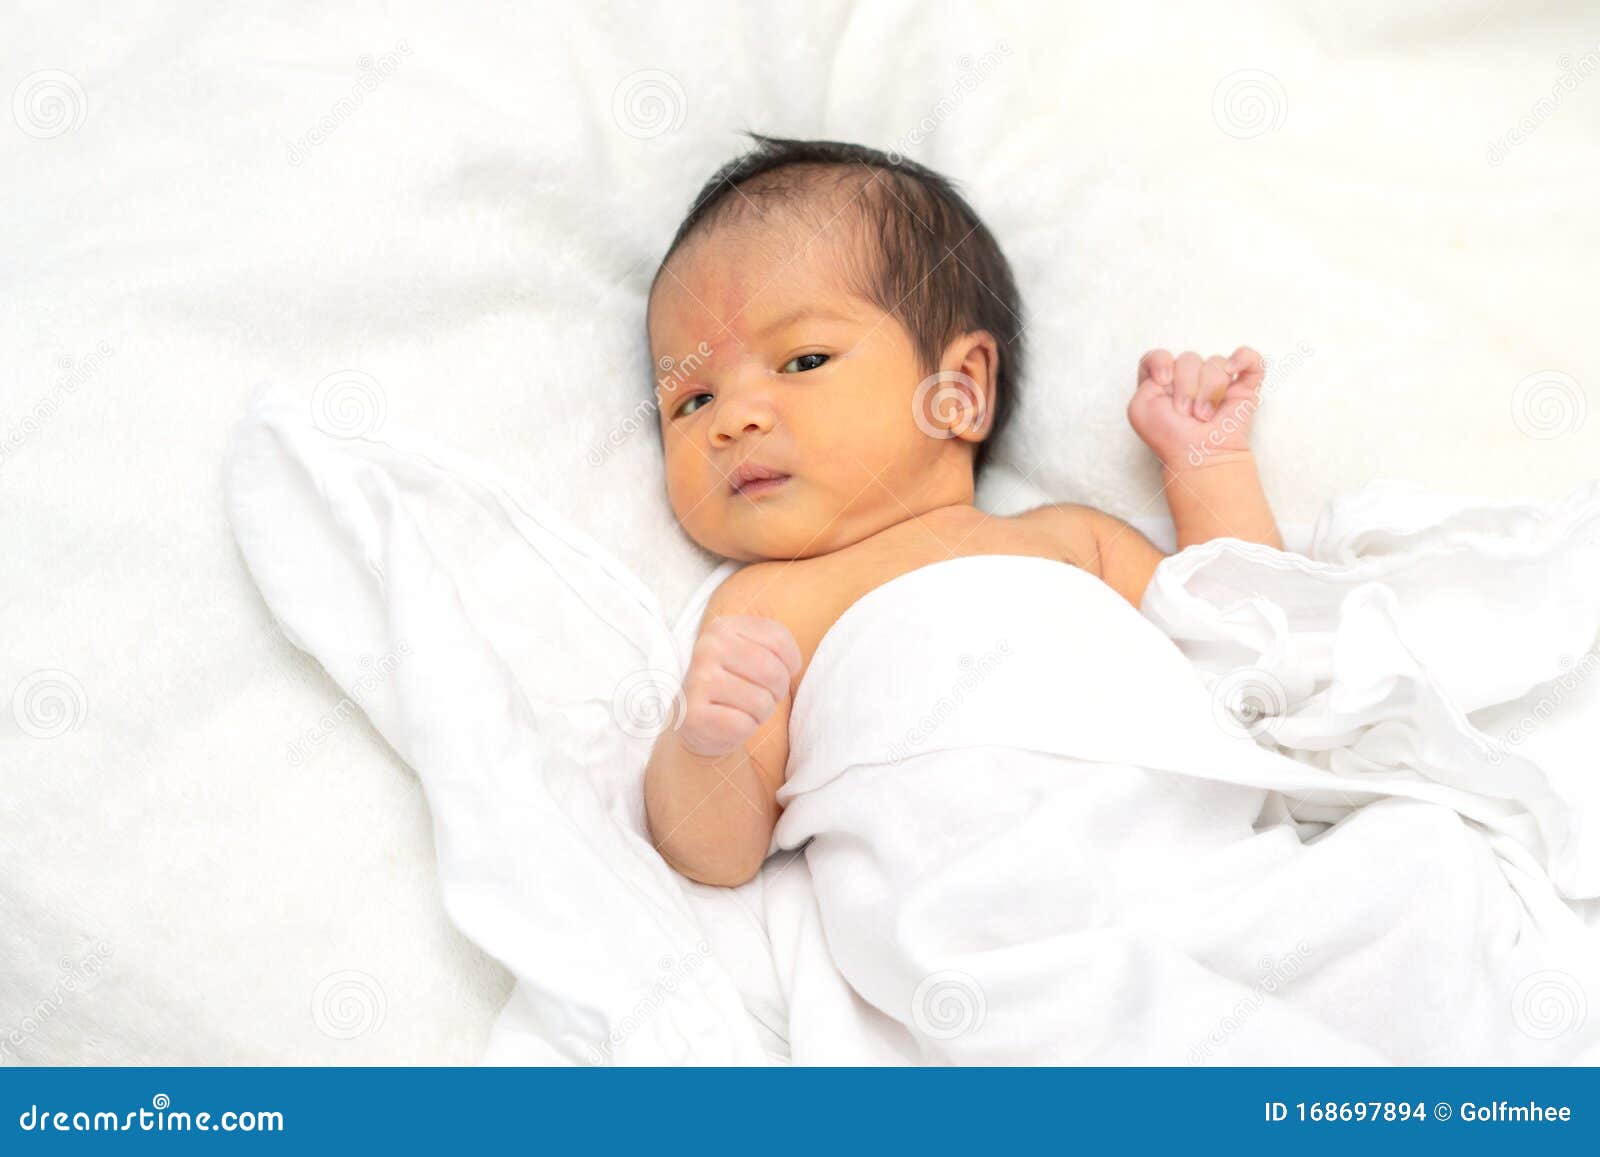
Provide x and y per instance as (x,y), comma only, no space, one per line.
(1196,415)
(711,786)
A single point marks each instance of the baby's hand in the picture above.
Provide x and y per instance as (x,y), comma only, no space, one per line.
(738,675)
(1187,409)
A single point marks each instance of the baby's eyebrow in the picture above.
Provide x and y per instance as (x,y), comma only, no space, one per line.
(805,313)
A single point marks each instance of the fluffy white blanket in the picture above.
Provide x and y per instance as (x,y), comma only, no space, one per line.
(1030,836)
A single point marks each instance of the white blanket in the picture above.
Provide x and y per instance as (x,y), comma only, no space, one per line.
(1039,837)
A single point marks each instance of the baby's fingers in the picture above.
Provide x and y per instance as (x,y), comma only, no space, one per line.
(1214,379)
(714,729)
(1156,366)
(1245,364)
(761,666)
(739,694)
(1185,381)
(773,636)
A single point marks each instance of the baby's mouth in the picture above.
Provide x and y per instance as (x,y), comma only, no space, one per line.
(750,480)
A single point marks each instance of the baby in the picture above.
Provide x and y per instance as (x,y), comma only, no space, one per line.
(847,338)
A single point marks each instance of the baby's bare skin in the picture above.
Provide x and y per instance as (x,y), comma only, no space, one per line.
(796,446)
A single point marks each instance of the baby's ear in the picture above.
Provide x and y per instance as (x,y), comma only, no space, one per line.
(958,400)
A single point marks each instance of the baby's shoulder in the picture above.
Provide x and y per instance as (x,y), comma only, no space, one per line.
(753,589)
(1102,544)
(779,589)
(1066,531)
(805,595)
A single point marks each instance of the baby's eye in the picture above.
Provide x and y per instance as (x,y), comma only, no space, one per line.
(691,404)
(803,363)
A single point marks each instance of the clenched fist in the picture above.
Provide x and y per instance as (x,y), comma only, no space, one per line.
(738,674)
(1187,408)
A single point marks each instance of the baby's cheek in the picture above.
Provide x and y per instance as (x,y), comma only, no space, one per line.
(686,483)
(878,438)
(688,492)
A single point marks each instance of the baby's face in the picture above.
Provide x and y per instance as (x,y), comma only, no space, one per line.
(778,371)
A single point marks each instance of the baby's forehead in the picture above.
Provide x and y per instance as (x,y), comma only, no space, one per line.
(732,284)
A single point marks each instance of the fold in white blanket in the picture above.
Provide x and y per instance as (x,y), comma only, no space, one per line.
(1342,820)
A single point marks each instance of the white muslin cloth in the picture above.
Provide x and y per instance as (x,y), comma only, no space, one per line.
(1035,835)
(1298,812)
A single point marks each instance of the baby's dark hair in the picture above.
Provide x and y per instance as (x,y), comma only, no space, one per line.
(929,260)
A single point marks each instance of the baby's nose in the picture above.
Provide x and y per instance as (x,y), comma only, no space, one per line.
(744,413)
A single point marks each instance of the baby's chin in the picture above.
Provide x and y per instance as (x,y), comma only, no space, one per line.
(768,535)
(764,547)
